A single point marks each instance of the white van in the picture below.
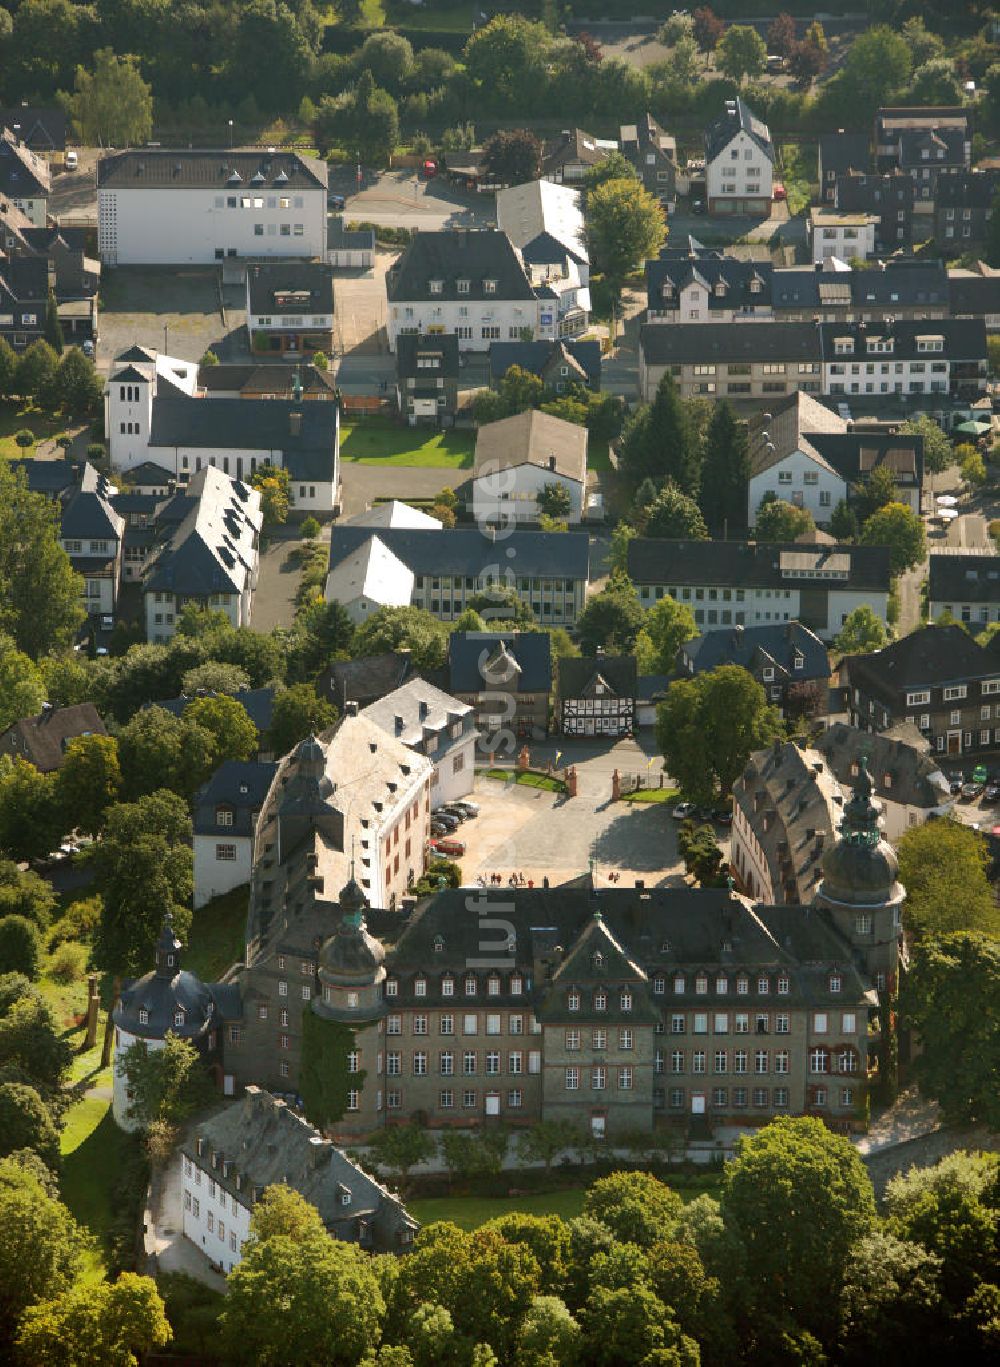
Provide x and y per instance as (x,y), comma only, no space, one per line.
(72,160)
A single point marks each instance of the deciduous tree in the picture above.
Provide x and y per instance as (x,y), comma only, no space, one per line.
(22,684)
(157,750)
(233,734)
(708,28)
(544,1142)
(554,500)
(778,520)
(77,387)
(89,781)
(30,815)
(298,712)
(667,625)
(938,451)
(890,1301)
(943,866)
(949,999)
(112,106)
(673,514)
(897,526)
(741,52)
(412,629)
(26,1123)
(781,34)
(40,592)
(166,1084)
(20,948)
(513,156)
(111,1324)
(861,633)
(636,1206)
(878,63)
(799,1198)
(32,1043)
(41,1245)
(274,486)
(624,228)
(612,618)
(707,727)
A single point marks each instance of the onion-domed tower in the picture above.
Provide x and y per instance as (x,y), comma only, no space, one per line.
(861,888)
(351,978)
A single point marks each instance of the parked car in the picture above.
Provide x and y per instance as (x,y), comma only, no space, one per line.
(336,202)
(779,191)
(955,782)
(453,809)
(446,818)
(438,827)
(87,347)
(971,789)
(72,160)
(453,848)
(682,810)
(469,808)
(723,815)
(992,791)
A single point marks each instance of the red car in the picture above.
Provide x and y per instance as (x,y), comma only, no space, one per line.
(445,845)
(779,190)
(429,169)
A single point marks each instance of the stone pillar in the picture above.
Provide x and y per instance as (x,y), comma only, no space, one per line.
(523,759)
(616,786)
(93,1010)
(571,782)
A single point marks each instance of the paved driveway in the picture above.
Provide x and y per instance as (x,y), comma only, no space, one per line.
(274,600)
(400,199)
(179,311)
(542,834)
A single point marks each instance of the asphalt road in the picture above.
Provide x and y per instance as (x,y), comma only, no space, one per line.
(400,199)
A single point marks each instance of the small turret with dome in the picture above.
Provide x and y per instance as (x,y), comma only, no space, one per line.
(351,963)
(860,884)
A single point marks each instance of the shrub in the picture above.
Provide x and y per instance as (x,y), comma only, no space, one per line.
(19,946)
(320,360)
(209,358)
(78,922)
(309,529)
(69,963)
(96,451)
(25,438)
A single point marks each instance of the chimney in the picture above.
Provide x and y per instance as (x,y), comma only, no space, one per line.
(398,720)
(424,710)
(295,423)
(552,462)
(350,708)
(319,1151)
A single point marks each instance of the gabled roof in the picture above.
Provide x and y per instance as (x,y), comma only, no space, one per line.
(754,564)
(573,144)
(945,147)
(743,283)
(697,343)
(417,708)
(305,433)
(366,679)
(258,703)
(42,740)
(50,477)
(466,551)
(473,654)
(372,572)
(737,117)
(212,548)
(540,209)
(42,127)
(392,514)
(165,168)
(473,256)
(239,786)
(928,657)
(963,339)
(88,511)
(22,174)
(271,380)
(841,152)
(583,358)
(577,675)
(900,755)
(292,287)
(777,645)
(532,438)
(149,475)
(964,579)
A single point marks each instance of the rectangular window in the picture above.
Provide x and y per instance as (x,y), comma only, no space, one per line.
(572,1079)
(625,1079)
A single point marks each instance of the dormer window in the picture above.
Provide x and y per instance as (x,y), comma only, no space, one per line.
(516,984)
(573,1000)
(463,286)
(438,944)
(493,985)
(667,289)
(600,1001)
(834,982)
(799,662)
(626,1000)
(756,285)
(489,287)
(392,987)
(679,984)
(143,1016)
(470,984)
(447,986)
(720,287)
(597,959)
(178,1018)
(223,816)
(436,286)
(420,987)
(843,346)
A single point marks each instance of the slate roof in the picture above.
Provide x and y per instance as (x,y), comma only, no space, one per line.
(266,1143)
(737,116)
(310,282)
(701,343)
(572,144)
(841,152)
(473,255)
(165,168)
(575,673)
(418,710)
(22,174)
(649,687)
(238,785)
(42,127)
(892,119)
(777,645)
(364,680)
(257,702)
(42,740)
(914,142)
(439,344)
(967,190)
(371,571)
(50,477)
(964,579)
(709,269)
(24,280)
(339,238)
(149,475)
(535,356)
(900,754)
(253,424)
(273,380)
(750,564)
(88,511)
(466,551)
(928,657)
(530,650)
(210,547)
(964,338)
(794,806)
(532,438)
(975,295)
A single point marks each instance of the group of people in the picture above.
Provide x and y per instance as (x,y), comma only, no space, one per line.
(516,880)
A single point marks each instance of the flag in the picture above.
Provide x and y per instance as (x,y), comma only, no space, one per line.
(557,758)
(649,761)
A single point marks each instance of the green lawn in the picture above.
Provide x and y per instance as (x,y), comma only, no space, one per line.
(469,1212)
(529,778)
(454,19)
(798,173)
(95,1154)
(216,940)
(598,457)
(381,443)
(13,420)
(653,795)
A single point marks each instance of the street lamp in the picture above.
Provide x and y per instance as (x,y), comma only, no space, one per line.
(166,349)
(230,135)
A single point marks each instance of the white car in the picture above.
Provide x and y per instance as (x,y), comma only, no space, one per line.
(72,160)
(682,810)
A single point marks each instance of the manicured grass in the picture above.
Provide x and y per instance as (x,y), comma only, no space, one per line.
(798,173)
(454,19)
(469,1212)
(95,1153)
(653,795)
(13,419)
(217,935)
(378,443)
(598,457)
(529,778)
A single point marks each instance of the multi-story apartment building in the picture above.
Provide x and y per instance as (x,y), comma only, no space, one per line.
(473,284)
(739,162)
(25,179)
(653,153)
(939,679)
(92,533)
(545,223)
(442,569)
(966,586)
(963,208)
(717,360)
(434,724)
(946,359)
(927,142)
(839,154)
(290,307)
(789,662)
(746,583)
(695,284)
(177,206)
(887,198)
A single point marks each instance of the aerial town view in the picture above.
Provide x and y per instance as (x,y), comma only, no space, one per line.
(499,684)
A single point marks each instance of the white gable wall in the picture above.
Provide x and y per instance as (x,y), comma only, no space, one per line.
(800,480)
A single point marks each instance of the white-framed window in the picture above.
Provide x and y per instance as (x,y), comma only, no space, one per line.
(572,1079)
(819,1022)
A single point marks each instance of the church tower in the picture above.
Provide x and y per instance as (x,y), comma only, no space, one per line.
(861,889)
(352,977)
